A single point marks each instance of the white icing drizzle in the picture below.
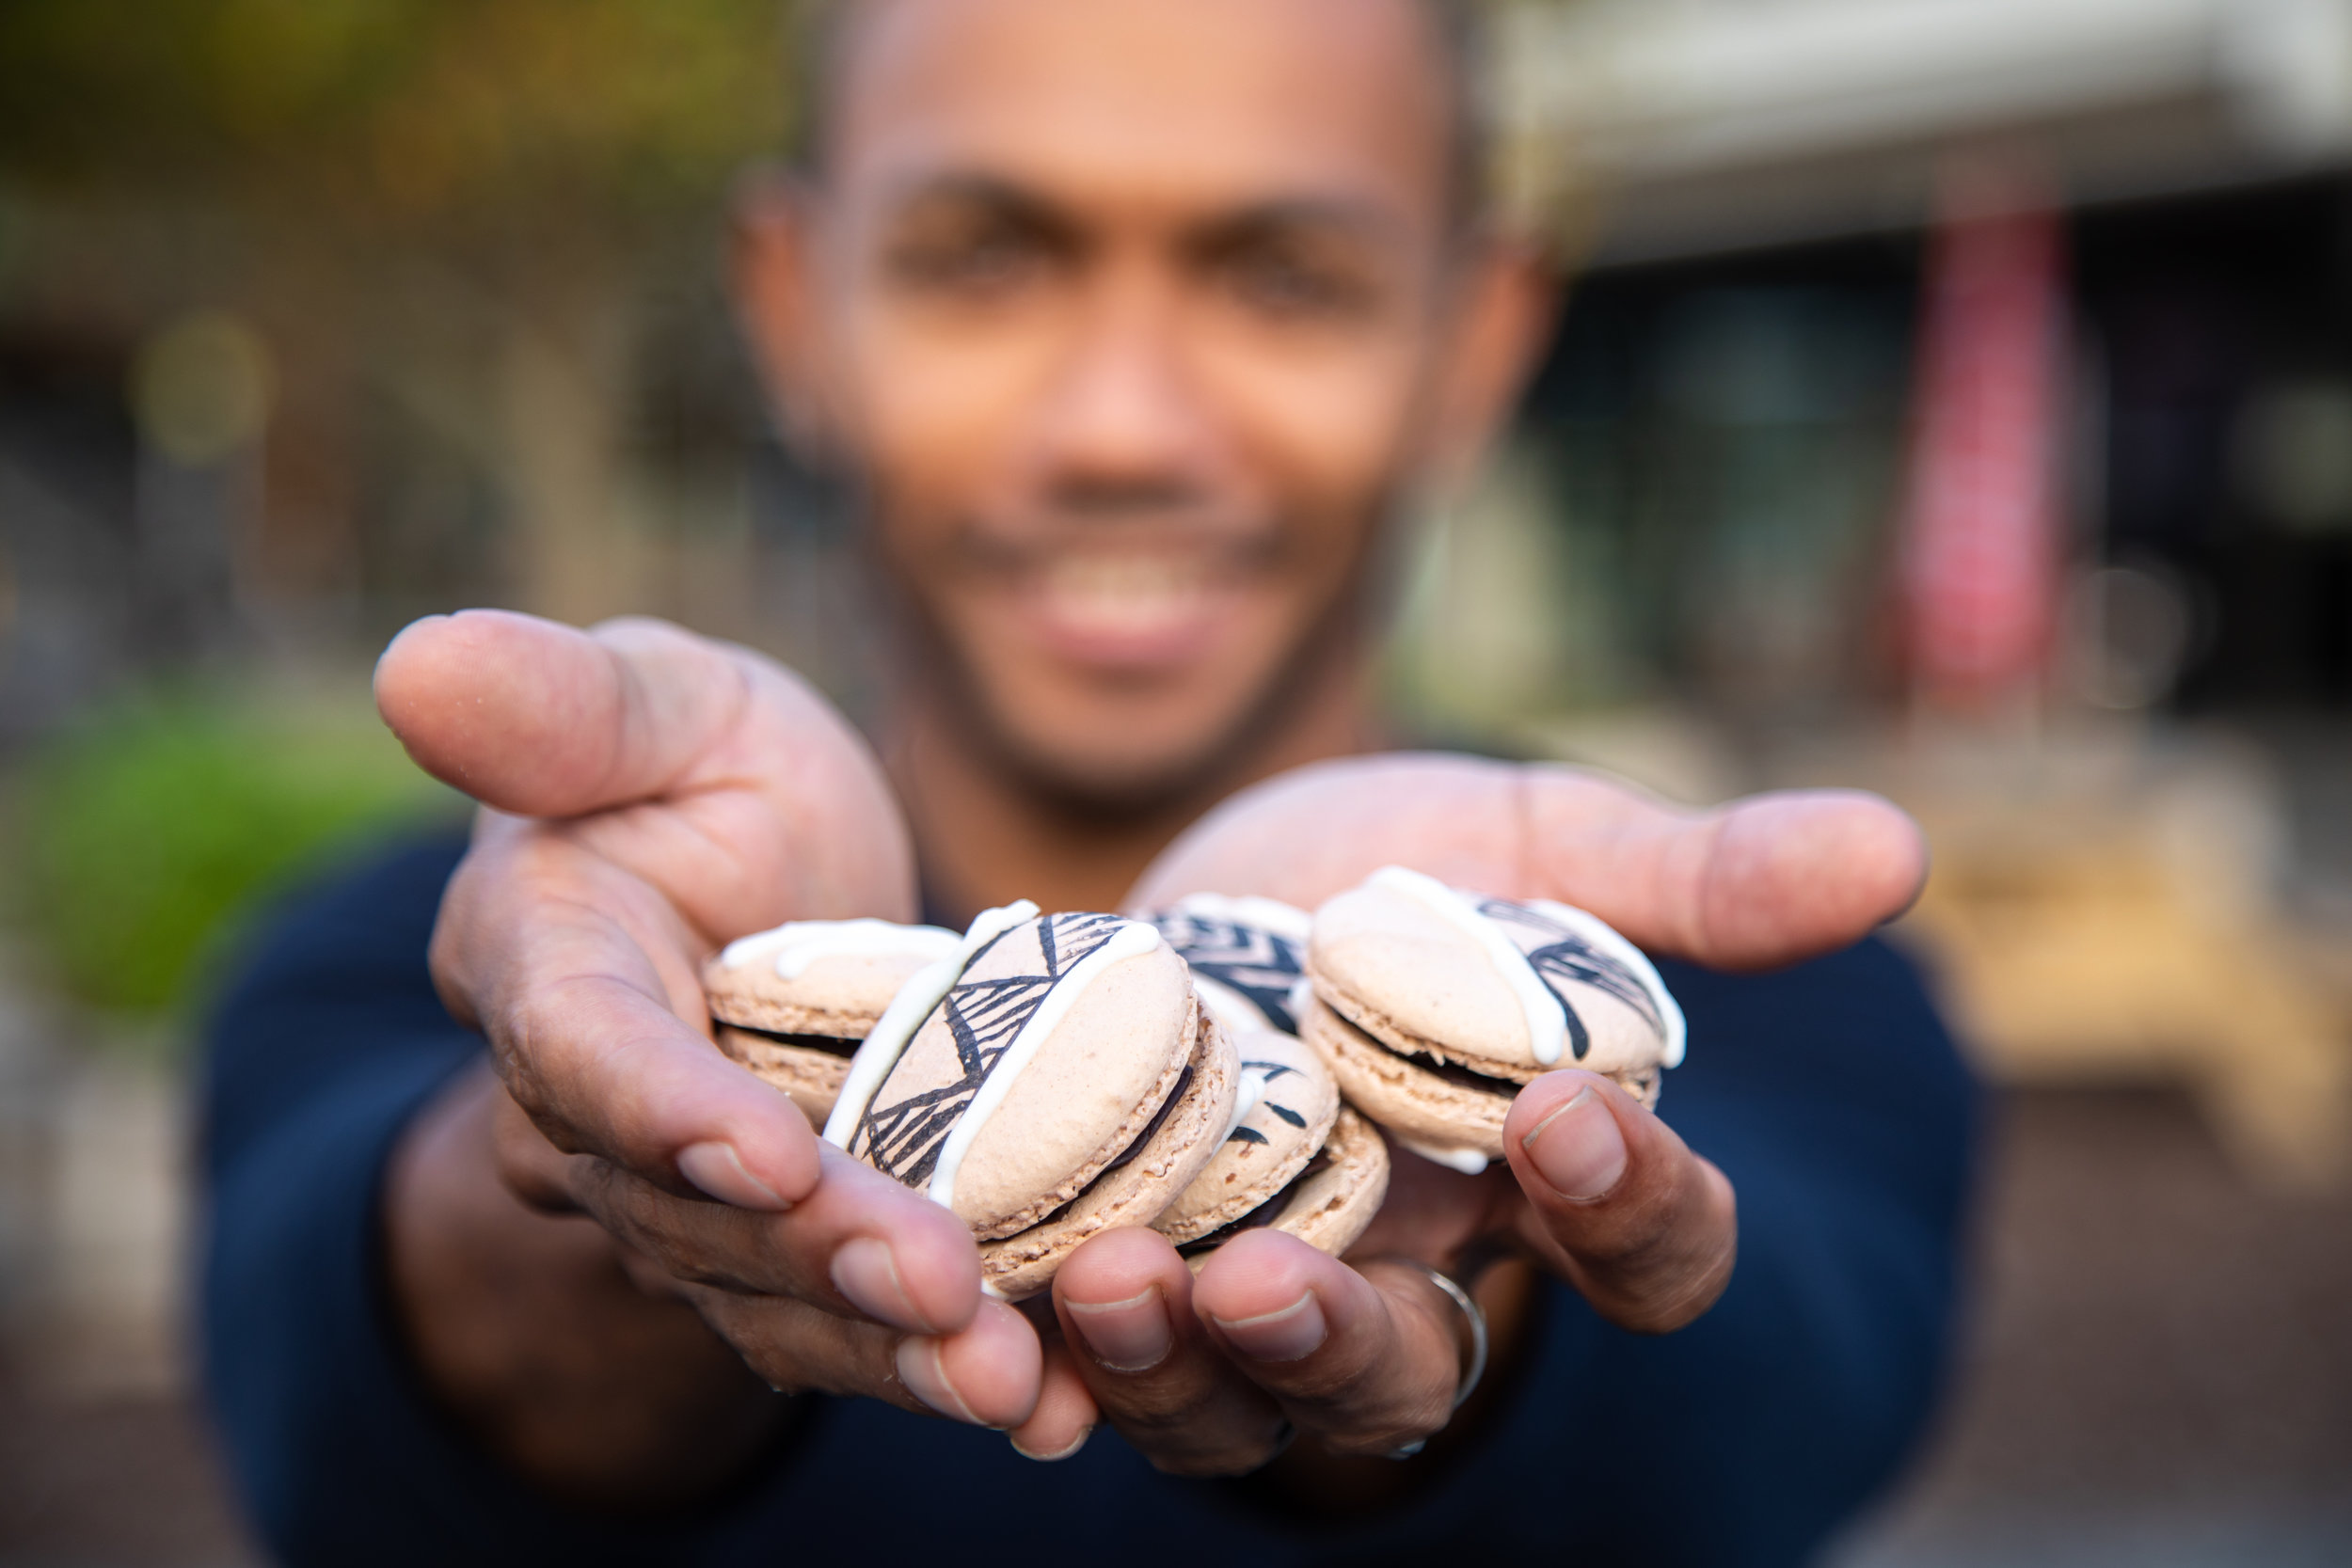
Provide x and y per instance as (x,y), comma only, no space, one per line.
(1245,1097)
(1131,941)
(1470,1161)
(924,990)
(1547,1022)
(1612,942)
(798,944)
(1267,914)
(1239,1016)
(1302,993)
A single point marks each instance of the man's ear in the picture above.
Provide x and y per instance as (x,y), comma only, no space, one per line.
(1503,317)
(773,270)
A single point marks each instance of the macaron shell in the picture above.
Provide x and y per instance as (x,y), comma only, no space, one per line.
(1333,1207)
(812,1077)
(1421,1104)
(1406,975)
(1047,1141)
(1404,1097)
(1272,1144)
(1092,1084)
(838,993)
(1170,1161)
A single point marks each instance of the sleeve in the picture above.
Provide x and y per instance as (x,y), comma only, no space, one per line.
(1832,1097)
(318,1055)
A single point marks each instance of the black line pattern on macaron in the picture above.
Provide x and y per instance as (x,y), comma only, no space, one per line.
(1271,1069)
(903,1139)
(1569,957)
(1262,965)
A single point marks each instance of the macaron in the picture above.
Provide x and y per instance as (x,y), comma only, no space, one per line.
(1296,1159)
(1434,1004)
(794,1004)
(1051,1078)
(1247,956)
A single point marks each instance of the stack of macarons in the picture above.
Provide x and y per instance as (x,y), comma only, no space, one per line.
(1052,1077)
(1205,1071)
(1295,1158)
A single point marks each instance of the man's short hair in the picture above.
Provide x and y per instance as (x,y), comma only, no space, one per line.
(820,32)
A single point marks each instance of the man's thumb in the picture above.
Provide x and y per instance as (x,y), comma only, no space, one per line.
(542,720)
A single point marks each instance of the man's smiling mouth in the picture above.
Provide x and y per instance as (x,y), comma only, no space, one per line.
(1134,610)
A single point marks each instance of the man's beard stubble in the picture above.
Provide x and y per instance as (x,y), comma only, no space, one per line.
(1341,637)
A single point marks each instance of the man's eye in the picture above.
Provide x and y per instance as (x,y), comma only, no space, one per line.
(976,265)
(1291,286)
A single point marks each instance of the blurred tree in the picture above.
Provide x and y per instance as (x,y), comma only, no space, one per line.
(376,180)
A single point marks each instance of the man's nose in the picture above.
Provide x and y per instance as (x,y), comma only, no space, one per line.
(1124,412)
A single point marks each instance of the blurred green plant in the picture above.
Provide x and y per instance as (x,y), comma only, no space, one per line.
(147,832)
(397,110)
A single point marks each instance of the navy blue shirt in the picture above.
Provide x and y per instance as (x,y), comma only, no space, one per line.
(1828,1092)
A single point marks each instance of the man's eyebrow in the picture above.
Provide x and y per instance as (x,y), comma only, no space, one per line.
(987,193)
(1312,217)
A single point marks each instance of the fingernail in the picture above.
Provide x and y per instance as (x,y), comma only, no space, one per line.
(864,1272)
(720,1172)
(1578,1148)
(1297,1330)
(1130,1336)
(925,1374)
(1075,1444)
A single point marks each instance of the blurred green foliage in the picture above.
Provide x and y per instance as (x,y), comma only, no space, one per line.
(394,111)
(148,831)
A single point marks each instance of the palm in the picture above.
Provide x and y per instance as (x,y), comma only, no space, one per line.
(1763,881)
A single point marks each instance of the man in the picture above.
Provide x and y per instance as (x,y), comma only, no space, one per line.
(1138,323)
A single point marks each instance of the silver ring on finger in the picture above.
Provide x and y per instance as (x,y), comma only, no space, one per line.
(1474,1365)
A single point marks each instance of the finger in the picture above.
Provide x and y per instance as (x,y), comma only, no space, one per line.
(1124,1301)
(1370,1361)
(583,1027)
(1065,1416)
(774,807)
(1756,882)
(542,720)
(1618,1205)
(860,1245)
(987,1374)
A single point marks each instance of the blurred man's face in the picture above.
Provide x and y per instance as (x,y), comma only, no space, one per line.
(1130,315)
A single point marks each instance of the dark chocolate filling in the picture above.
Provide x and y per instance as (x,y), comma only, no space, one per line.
(1263,1215)
(1454,1072)
(1437,1067)
(833,1045)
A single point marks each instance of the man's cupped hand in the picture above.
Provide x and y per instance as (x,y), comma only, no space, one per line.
(649,794)
(1213,1374)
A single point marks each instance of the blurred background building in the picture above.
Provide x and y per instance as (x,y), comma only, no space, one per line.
(1955,398)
